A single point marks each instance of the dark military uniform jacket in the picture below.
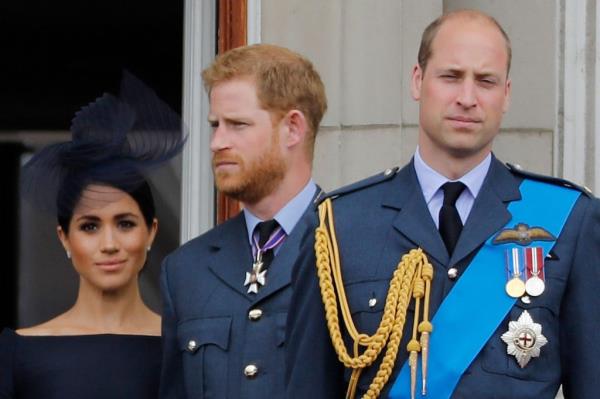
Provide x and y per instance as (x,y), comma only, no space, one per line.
(380,219)
(219,341)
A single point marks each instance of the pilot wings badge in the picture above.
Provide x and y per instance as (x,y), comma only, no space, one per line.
(523,235)
(524,339)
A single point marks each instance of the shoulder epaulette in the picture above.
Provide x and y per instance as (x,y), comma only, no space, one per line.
(518,170)
(361,184)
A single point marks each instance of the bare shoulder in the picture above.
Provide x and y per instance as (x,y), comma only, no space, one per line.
(55,326)
(146,323)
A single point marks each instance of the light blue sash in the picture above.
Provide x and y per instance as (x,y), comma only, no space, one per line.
(453,346)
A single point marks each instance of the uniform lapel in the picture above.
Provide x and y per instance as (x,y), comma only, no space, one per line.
(413,219)
(232,254)
(489,213)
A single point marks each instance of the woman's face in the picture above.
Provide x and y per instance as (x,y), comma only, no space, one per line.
(108,238)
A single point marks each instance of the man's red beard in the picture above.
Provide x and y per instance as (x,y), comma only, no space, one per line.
(251,182)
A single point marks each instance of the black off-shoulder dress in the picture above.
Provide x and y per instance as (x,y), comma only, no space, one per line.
(83,366)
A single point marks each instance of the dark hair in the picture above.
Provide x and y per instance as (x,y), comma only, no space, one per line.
(66,202)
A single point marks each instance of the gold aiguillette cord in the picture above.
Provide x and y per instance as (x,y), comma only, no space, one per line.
(412,278)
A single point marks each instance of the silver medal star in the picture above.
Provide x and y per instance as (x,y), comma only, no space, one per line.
(524,339)
(254,279)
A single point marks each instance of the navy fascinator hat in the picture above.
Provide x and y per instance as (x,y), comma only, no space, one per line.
(116,141)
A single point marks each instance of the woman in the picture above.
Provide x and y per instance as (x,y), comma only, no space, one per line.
(108,344)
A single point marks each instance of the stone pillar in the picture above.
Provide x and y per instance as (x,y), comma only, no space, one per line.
(197,197)
(578,126)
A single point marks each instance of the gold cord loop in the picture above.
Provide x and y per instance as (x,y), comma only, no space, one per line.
(412,278)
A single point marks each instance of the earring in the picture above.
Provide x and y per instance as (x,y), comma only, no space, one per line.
(148,248)
(68,254)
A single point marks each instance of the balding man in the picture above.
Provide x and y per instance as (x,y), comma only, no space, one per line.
(456,276)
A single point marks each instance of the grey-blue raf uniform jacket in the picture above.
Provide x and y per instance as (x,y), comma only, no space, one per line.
(380,219)
(219,341)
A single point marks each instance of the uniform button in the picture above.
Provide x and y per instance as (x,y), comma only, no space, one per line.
(372,302)
(192,345)
(387,172)
(452,273)
(525,299)
(250,371)
(255,314)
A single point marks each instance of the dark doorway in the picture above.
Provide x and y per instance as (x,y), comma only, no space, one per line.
(10,155)
(58,56)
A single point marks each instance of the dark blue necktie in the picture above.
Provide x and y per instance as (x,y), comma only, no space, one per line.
(450,224)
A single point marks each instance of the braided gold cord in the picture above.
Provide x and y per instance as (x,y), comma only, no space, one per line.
(410,261)
(407,281)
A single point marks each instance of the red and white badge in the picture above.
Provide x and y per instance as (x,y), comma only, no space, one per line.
(524,339)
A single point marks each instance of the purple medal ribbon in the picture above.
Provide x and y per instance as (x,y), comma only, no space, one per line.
(274,240)
(256,277)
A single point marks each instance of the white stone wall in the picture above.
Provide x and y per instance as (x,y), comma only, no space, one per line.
(365,51)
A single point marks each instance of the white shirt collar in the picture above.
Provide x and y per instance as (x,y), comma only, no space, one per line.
(431,180)
(289,215)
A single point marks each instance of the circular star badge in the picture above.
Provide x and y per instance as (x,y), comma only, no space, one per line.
(524,339)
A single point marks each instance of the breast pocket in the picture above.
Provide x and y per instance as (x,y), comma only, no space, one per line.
(544,311)
(367,302)
(204,344)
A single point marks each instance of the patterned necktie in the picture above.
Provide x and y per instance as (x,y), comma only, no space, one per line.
(450,224)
